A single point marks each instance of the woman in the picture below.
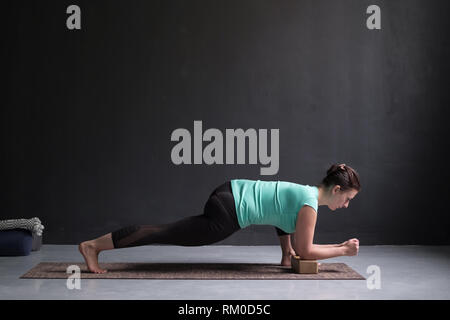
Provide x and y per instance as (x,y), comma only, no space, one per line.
(236,204)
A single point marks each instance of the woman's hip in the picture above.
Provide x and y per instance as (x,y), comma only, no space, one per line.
(221,202)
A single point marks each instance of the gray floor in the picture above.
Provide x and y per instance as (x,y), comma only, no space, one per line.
(406,272)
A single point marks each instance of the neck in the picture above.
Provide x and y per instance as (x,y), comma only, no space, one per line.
(322,199)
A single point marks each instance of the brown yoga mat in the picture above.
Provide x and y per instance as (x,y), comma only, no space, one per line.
(198,271)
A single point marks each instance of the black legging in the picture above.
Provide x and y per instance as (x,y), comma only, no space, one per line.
(218,221)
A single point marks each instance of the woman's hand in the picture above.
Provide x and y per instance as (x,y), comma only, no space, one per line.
(351,247)
(344,243)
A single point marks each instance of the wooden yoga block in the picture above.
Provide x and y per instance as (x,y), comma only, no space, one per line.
(304,266)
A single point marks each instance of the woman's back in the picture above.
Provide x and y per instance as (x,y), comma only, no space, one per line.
(274,203)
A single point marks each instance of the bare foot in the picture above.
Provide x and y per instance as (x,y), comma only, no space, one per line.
(90,254)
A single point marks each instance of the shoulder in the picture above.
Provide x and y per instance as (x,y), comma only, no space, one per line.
(311,197)
(308,210)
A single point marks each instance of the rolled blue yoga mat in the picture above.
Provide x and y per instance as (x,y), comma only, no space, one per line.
(15,242)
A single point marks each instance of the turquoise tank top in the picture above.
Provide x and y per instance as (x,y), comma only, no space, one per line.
(274,203)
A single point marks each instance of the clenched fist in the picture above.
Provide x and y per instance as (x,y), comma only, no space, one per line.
(351,247)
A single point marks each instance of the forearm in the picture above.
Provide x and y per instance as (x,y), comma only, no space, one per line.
(286,246)
(327,245)
(318,252)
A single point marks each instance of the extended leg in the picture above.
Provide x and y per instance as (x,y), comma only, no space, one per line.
(214,225)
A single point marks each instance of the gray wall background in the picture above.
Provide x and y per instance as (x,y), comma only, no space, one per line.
(88,114)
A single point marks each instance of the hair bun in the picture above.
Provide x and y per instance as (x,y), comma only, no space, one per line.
(333,168)
(336,167)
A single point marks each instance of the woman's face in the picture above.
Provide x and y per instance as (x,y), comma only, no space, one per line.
(340,199)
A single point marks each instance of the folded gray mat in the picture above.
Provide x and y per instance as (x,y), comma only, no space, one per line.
(34,225)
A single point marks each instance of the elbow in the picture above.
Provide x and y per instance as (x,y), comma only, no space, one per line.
(308,257)
(305,253)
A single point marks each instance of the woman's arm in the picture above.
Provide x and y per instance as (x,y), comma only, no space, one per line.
(303,244)
(287,249)
(328,245)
